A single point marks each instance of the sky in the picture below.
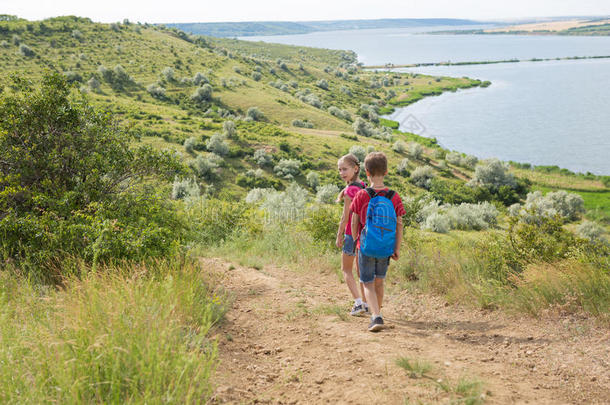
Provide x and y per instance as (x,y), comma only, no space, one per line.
(155,11)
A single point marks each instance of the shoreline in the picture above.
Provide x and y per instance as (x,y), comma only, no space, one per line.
(489,62)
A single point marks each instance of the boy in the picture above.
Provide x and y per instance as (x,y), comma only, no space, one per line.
(373,269)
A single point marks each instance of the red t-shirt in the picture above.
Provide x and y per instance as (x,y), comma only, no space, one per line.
(351,191)
(360,204)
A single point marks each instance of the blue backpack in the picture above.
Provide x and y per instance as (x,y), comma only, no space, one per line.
(379,234)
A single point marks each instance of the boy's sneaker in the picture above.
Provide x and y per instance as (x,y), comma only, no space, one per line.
(357,310)
(366,308)
(376,324)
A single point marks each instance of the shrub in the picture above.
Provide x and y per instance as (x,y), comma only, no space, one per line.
(310,99)
(168,74)
(359,152)
(327,194)
(189,144)
(313,179)
(4,44)
(185,188)
(200,78)
(94,84)
(16,39)
(155,90)
(403,167)
(415,150)
(339,113)
(255,114)
(567,206)
(493,174)
(72,77)
(591,231)
(229,129)
(79,192)
(203,93)
(107,74)
(26,50)
(302,124)
(237,69)
(346,91)
(437,222)
(262,157)
(422,176)
(322,83)
(217,145)
(205,167)
(399,147)
(472,216)
(257,195)
(77,35)
(321,224)
(361,127)
(283,206)
(256,76)
(287,168)
(120,75)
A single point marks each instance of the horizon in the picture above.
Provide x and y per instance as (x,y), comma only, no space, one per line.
(235,11)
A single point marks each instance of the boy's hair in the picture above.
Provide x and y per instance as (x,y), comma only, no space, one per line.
(352,160)
(376,163)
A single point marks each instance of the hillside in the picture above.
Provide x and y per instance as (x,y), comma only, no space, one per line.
(167,203)
(251,28)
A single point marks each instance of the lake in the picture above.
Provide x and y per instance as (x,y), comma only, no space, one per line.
(545,113)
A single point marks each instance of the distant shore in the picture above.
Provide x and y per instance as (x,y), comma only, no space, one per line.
(486,62)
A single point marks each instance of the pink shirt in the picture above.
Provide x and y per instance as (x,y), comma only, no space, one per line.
(351,192)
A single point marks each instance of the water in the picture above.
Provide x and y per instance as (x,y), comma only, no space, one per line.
(545,113)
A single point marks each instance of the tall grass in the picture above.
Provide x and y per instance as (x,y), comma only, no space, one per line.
(124,334)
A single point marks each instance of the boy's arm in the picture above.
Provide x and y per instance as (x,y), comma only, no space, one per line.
(355,226)
(396,254)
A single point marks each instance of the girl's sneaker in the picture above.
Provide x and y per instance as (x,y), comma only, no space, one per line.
(358,309)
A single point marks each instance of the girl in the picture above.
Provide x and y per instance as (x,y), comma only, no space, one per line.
(349,170)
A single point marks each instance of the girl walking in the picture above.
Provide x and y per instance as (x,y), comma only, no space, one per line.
(349,170)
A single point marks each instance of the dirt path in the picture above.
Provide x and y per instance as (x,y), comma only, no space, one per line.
(287,340)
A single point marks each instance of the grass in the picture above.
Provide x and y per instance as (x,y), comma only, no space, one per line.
(463,391)
(414,368)
(132,333)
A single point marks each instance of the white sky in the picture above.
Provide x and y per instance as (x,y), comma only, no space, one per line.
(155,11)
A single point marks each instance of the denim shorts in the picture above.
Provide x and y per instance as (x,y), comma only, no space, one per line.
(349,246)
(372,268)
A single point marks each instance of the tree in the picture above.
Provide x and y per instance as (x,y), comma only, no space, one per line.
(72,183)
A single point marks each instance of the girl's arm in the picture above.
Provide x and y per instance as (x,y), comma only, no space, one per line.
(346,203)
(355,226)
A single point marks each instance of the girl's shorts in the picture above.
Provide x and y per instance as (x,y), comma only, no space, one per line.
(349,246)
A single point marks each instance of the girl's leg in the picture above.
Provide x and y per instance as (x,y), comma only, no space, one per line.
(360,282)
(347,262)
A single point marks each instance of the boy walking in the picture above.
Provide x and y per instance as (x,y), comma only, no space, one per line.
(377,224)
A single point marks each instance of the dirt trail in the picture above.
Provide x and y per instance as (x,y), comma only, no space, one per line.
(286,340)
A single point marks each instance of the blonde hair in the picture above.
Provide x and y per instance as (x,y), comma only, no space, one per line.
(353,161)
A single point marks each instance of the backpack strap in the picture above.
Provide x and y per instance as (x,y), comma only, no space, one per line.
(357,184)
(388,194)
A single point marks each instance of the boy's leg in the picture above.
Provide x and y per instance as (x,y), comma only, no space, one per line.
(371,298)
(381,269)
(379,291)
(367,277)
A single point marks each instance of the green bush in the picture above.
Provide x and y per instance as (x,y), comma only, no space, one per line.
(82,191)
(321,224)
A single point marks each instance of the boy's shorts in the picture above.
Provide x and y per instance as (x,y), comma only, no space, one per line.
(372,268)
(349,246)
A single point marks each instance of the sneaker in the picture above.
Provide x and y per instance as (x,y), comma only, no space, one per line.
(357,310)
(376,324)
(366,308)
